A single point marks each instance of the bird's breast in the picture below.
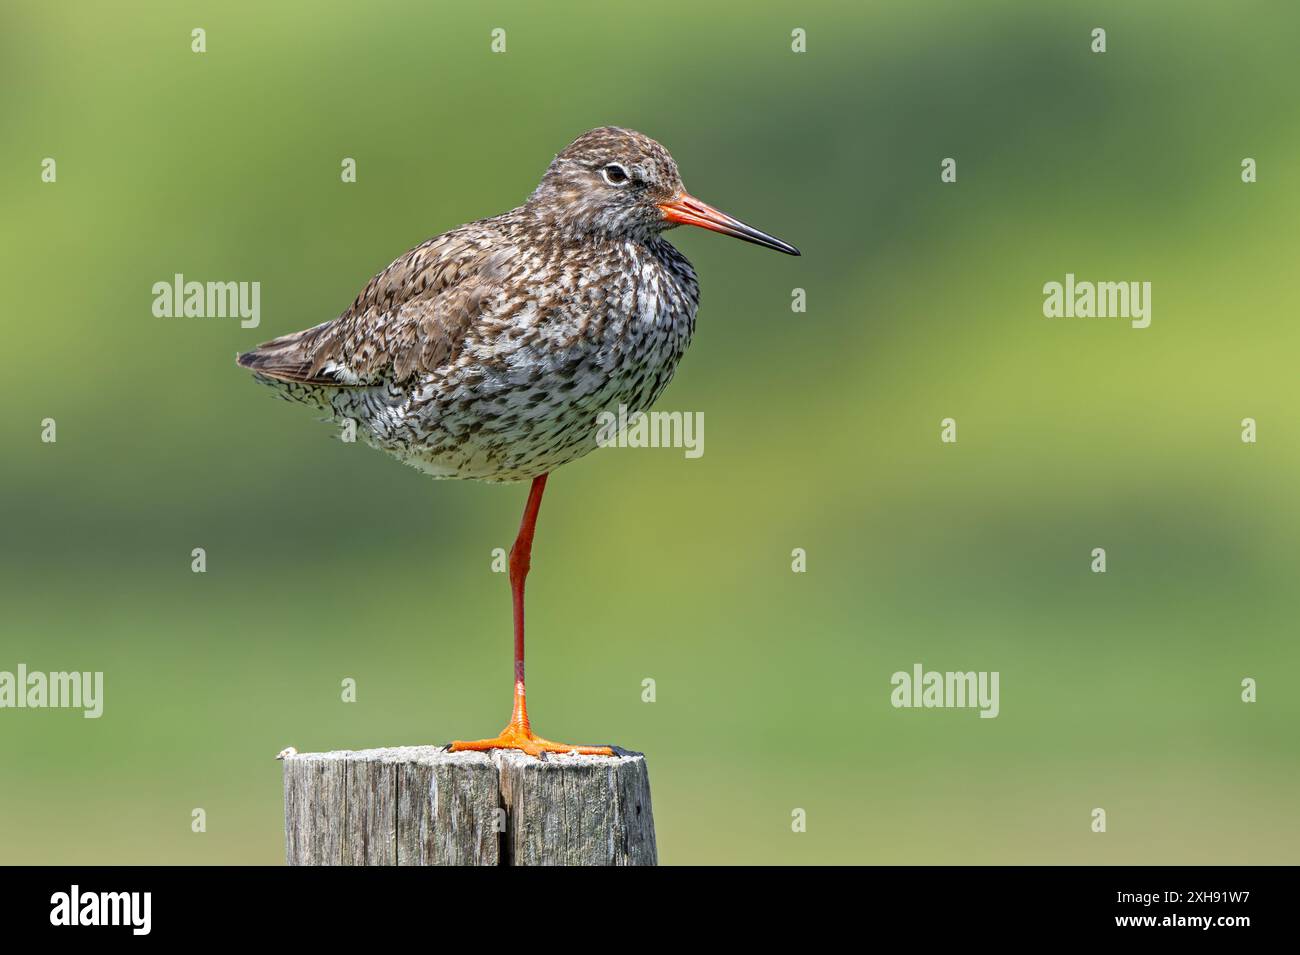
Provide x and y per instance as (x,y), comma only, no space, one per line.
(624,305)
(571,341)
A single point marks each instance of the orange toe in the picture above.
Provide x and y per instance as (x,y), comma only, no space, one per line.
(520,737)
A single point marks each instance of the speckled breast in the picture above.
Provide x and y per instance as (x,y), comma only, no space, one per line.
(523,395)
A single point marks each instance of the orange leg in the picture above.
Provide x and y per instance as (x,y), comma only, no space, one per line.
(518,734)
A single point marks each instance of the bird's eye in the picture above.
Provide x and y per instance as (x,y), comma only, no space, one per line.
(615,174)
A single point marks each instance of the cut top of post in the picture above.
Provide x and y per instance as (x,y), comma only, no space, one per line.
(421,805)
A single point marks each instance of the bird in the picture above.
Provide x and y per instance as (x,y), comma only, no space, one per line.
(489,352)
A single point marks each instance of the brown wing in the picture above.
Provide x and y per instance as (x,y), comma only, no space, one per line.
(410,318)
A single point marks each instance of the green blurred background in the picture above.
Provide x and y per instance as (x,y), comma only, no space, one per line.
(328,560)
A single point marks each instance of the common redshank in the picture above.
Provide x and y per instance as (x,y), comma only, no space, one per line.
(489,352)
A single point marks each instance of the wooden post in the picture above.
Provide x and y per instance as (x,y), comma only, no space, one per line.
(420,805)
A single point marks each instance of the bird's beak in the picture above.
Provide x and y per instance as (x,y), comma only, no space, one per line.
(685,209)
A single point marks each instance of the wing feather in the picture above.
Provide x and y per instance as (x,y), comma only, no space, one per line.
(409,319)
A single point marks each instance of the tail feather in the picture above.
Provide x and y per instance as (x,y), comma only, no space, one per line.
(294,358)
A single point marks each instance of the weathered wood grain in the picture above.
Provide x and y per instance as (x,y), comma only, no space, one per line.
(419,805)
(577,810)
(408,805)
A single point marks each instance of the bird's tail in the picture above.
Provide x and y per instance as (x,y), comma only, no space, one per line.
(289,365)
(287,358)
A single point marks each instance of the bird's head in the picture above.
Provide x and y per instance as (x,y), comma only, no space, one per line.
(621,183)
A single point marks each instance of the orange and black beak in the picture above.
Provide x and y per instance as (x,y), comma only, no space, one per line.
(685,209)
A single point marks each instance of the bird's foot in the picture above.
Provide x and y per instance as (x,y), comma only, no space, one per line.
(519,736)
